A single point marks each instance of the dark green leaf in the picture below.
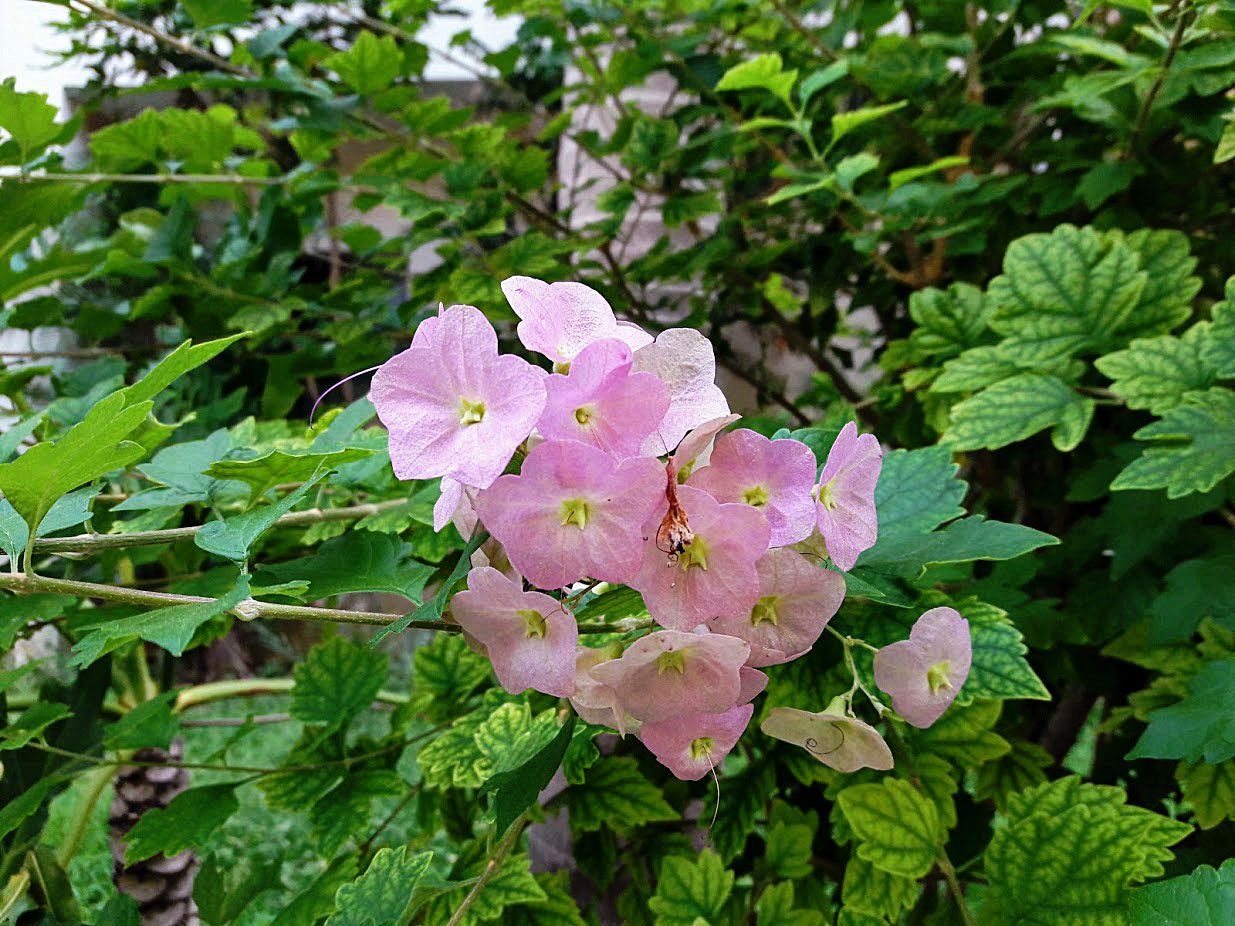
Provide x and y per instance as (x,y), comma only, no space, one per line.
(431,610)
(150,724)
(233,537)
(1201,726)
(188,821)
(337,680)
(1203,898)
(359,561)
(518,788)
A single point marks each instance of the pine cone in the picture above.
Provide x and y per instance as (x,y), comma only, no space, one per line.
(162,887)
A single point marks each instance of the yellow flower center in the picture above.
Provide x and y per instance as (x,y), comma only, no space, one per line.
(937,676)
(533,624)
(584,414)
(825,495)
(471,412)
(671,661)
(695,554)
(756,495)
(701,747)
(561,366)
(575,511)
(764,611)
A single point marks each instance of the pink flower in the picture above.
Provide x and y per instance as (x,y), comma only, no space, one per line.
(796,600)
(454,407)
(456,504)
(593,700)
(752,683)
(560,319)
(846,496)
(695,449)
(530,637)
(693,744)
(573,512)
(670,673)
(683,359)
(714,575)
(774,476)
(835,739)
(601,403)
(924,673)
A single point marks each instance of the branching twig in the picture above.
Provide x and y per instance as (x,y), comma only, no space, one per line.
(491,868)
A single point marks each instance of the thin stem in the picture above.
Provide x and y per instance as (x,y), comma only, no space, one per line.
(209,57)
(1147,104)
(949,872)
(255,719)
(228,179)
(211,692)
(97,781)
(491,868)
(390,818)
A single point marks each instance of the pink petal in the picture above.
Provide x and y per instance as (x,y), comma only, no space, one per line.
(752,684)
(846,496)
(692,745)
(683,359)
(560,319)
(924,673)
(695,449)
(843,743)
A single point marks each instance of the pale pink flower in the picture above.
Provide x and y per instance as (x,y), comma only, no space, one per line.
(846,496)
(456,504)
(669,673)
(695,449)
(797,598)
(601,403)
(831,736)
(774,476)
(529,636)
(683,359)
(593,700)
(924,673)
(423,335)
(691,745)
(572,512)
(714,575)
(751,684)
(454,407)
(560,319)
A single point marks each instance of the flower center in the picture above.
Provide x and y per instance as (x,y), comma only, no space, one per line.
(694,554)
(756,496)
(584,414)
(575,511)
(825,495)
(764,611)
(671,661)
(701,747)
(533,624)
(937,676)
(471,411)
(561,366)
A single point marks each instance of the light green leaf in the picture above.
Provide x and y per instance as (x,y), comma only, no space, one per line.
(559,908)
(966,735)
(336,681)
(775,908)
(452,758)
(444,673)
(1203,898)
(382,896)
(615,793)
(975,369)
(278,466)
(868,889)
(1200,726)
(1166,300)
(190,820)
(815,81)
(359,561)
(999,669)
(787,850)
(1014,409)
(513,885)
(899,828)
(899,178)
(171,628)
(295,791)
(31,723)
(844,123)
(1218,350)
(29,119)
(370,65)
(519,786)
(1195,449)
(207,13)
(1225,150)
(1155,373)
(933,775)
(849,170)
(948,322)
(233,537)
(766,72)
(690,890)
(1210,789)
(1017,770)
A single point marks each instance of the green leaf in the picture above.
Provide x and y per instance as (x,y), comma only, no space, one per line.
(29,119)
(1210,789)
(222,892)
(775,908)
(742,804)
(1018,769)
(868,889)
(518,788)
(844,123)
(1013,409)
(765,72)
(444,673)
(382,896)
(999,669)
(612,605)
(513,885)
(190,820)
(359,561)
(347,810)
(917,491)
(690,890)
(233,537)
(559,907)
(1195,447)
(969,539)
(1155,373)
(207,13)
(787,850)
(1071,291)
(370,65)
(1166,300)
(1195,589)
(1104,180)
(899,178)
(171,628)
(278,466)
(948,322)
(815,81)
(150,724)
(615,793)
(431,610)
(31,724)
(318,899)
(975,369)
(1203,898)
(899,828)
(1225,150)
(336,681)
(15,811)
(966,734)
(1201,726)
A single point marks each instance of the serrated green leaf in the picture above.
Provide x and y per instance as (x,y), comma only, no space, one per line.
(966,735)
(1210,789)
(1155,373)
(1201,726)
(171,628)
(1166,300)
(150,724)
(787,850)
(223,892)
(1195,447)
(348,811)
(615,793)
(359,561)
(691,890)
(999,669)
(431,610)
(234,537)
(298,790)
(765,71)
(370,65)
(933,775)
(899,828)
(1203,898)
(1013,409)
(512,886)
(29,120)
(1020,768)
(276,467)
(612,605)
(518,788)
(188,821)
(31,723)
(917,491)
(948,322)
(336,681)
(969,539)
(207,13)
(867,889)
(180,471)
(444,673)
(452,758)
(318,899)
(382,896)
(1195,589)
(975,369)
(775,908)
(1218,349)
(844,123)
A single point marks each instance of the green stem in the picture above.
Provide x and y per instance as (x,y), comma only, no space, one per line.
(211,692)
(229,179)
(97,781)
(945,865)
(1147,105)
(491,868)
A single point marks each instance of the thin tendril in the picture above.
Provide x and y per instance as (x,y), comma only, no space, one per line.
(712,769)
(345,379)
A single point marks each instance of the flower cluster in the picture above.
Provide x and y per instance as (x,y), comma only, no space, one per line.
(622,475)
